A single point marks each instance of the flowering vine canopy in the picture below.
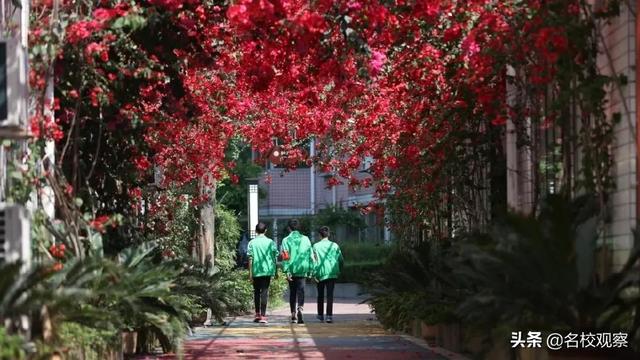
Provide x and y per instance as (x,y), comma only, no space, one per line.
(390,80)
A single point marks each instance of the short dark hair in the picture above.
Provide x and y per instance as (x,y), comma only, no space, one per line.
(293,224)
(324,231)
(261,228)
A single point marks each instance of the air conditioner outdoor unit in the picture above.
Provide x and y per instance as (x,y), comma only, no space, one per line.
(13,89)
(15,237)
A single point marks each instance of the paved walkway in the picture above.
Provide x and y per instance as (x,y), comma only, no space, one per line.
(355,334)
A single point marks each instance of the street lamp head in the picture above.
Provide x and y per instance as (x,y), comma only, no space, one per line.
(275,157)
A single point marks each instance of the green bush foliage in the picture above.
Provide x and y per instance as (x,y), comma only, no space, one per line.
(359,272)
(335,216)
(11,346)
(412,284)
(540,273)
(135,291)
(362,252)
(242,290)
(362,260)
(87,342)
(227,234)
(331,217)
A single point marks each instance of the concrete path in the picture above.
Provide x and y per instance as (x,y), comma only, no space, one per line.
(355,334)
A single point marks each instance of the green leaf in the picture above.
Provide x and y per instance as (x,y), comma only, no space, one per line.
(133,22)
(78,202)
(16,175)
(96,244)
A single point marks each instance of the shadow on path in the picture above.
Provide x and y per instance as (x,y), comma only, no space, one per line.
(355,334)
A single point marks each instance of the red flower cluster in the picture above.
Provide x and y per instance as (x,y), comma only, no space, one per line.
(94,48)
(99,223)
(81,30)
(57,251)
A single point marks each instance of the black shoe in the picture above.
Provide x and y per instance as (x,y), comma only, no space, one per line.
(320,317)
(300,319)
(293,318)
(329,319)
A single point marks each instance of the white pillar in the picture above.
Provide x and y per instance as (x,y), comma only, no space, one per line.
(312,174)
(387,229)
(252,207)
(511,148)
(334,196)
(274,230)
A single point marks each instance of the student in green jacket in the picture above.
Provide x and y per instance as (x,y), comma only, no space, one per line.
(328,263)
(262,253)
(297,262)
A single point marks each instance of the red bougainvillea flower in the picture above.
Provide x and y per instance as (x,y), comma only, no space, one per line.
(142,163)
(58,266)
(81,30)
(99,223)
(394,82)
(57,251)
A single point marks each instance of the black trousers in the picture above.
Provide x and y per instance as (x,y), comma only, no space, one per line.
(261,293)
(296,292)
(329,284)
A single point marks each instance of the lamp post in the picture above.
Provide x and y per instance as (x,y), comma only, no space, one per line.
(252,206)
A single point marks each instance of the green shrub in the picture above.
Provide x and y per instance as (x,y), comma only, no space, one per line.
(414,284)
(11,346)
(276,291)
(361,252)
(395,310)
(333,217)
(336,216)
(242,291)
(227,234)
(361,260)
(358,272)
(87,342)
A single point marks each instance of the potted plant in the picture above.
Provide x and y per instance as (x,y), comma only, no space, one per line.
(129,341)
(437,323)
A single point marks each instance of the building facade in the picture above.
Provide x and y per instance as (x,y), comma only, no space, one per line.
(617,40)
(303,192)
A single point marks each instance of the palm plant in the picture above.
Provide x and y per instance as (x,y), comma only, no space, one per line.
(414,284)
(209,289)
(16,286)
(540,274)
(130,292)
(141,292)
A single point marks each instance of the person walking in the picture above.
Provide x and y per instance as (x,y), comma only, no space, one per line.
(297,261)
(262,253)
(328,264)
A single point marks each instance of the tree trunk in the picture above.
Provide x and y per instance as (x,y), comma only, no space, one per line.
(206,253)
(206,246)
